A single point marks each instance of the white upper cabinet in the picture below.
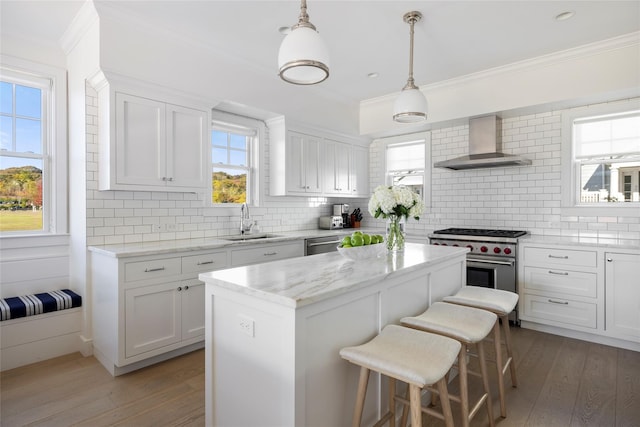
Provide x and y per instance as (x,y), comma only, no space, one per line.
(151,142)
(302,155)
(359,174)
(309,163)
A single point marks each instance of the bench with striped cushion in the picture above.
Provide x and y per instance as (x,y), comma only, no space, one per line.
(30,305)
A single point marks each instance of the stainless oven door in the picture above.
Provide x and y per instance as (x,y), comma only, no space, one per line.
(492,272)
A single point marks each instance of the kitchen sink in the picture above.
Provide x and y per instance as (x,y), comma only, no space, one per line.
(254,236)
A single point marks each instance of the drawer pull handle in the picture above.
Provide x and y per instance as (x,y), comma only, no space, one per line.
(186,288)
(151,270)
(559,257)
(179,288)
(270,253)
(205,262)
(609,259)
(558,302)
(559,273)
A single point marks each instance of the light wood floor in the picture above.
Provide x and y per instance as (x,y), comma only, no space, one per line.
(562,382)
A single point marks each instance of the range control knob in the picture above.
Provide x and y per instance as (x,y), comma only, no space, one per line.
(436,244)
(507,251)
(443,244)
(470,247)
(483,249)
(455,244)
(496,250)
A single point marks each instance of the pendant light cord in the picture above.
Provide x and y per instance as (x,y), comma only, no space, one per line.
(411,18)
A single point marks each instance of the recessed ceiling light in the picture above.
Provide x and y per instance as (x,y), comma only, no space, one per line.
(284,30)
(372,75)
(565,15)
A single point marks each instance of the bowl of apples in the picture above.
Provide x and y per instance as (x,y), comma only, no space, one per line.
(361,245)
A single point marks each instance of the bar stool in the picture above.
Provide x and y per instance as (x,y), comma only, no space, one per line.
(501,303)
(470,327)
(417,358)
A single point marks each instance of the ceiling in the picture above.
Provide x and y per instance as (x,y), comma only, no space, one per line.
(455,38)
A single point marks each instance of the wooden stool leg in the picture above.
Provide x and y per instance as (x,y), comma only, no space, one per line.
(405,410)
(392,401)
(362,392)
(485,381)
(499,365)
(507,342)
(416,405)
(446,404)
(464,385)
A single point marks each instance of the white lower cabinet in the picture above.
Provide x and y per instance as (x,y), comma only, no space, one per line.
(583,289)
(148,308)
(162,315)
(623,295)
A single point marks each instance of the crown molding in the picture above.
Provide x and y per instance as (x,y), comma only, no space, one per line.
(620,42)
(82,22)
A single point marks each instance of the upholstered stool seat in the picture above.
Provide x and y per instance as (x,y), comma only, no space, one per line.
(501,303)
(417,358)
(469,326)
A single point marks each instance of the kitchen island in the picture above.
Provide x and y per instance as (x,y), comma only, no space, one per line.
(274,330)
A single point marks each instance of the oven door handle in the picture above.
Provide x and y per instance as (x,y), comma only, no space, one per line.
(331,242)
(491,261)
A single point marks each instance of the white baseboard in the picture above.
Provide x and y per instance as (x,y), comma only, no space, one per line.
(599,339)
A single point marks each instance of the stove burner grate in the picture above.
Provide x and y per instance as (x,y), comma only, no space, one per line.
(481,232)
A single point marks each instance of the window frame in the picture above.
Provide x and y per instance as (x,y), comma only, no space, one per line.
(570,175)
(223,120)
(428,168)
(54,156)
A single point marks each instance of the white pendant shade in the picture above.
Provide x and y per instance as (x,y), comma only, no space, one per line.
(410,106)
(303,57)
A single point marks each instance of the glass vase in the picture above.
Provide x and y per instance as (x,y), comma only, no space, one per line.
(395,233)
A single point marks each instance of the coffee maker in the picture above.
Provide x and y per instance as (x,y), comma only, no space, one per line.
(343,210)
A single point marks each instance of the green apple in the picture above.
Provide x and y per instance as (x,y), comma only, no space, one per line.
(374,239)
(346,246)
(366,239)
(346,240)
(357,240)
(358,232)
(380,238)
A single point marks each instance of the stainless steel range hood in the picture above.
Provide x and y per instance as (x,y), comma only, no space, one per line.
(485,144)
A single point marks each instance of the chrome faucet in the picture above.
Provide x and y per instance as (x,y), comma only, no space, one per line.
(245,219)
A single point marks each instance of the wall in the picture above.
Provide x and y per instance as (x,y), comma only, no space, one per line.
(522,197)
(115,217)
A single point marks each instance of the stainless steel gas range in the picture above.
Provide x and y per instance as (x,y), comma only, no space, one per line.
(492,260)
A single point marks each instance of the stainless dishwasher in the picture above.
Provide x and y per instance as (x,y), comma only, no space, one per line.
(320,245)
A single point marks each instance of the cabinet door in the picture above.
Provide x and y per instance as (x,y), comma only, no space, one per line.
(622,295)
(192,309)
(359,176)
(312,171)
(140,141)
(336,167)
(296,181)
(152,317)
(187,162)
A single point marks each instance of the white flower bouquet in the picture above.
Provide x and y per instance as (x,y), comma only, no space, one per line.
(395,200)
(395,203)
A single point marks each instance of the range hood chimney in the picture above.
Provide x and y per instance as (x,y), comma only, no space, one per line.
(485,145)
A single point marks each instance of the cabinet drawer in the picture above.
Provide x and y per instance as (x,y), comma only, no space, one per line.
(552,279)
(560,310)
(560,257)
(204,262)
(265,254)
(152,268)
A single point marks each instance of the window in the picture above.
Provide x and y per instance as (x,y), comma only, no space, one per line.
(32,149)
(605,159)
(234,160)
(407,162)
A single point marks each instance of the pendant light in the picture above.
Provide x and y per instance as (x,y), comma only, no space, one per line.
(303,58)
(411,105)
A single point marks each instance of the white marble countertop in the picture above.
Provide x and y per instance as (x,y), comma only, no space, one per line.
(170,246)
(300,281)
(613,241)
